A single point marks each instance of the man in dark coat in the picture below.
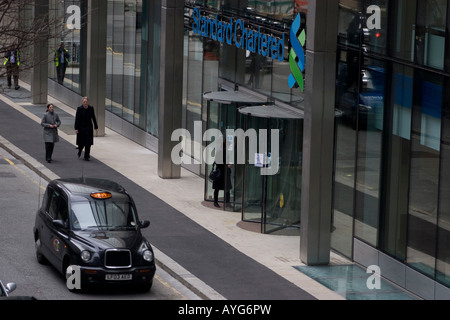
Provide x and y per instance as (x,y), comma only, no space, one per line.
(85,123)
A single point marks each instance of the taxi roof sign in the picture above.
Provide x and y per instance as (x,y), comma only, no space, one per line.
(101,195)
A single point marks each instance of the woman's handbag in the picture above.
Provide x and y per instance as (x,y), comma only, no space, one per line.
(215,173)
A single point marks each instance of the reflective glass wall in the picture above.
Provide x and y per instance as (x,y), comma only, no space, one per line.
(123,60)
(243,67)
(391,158)
(207,61)
(70,68)
(212,65)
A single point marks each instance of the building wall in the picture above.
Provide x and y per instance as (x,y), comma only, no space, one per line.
(390,203)
(391,162)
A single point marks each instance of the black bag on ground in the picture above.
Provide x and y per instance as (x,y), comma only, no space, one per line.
(215,173)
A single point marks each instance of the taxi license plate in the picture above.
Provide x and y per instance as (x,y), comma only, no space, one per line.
(118,277)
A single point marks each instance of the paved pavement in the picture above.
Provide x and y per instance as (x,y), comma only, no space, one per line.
(201,246)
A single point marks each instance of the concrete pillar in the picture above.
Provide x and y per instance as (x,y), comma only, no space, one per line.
(171,84)
(39,76)
(320,68)
(96,59)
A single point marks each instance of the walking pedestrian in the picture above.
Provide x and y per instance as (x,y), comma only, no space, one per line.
(50,121)
(12,63)
(62,58)
(85,123)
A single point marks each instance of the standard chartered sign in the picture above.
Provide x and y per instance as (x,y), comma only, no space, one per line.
(236,33)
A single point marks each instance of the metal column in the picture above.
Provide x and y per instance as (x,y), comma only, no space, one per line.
(171,84)
(39,77)
(318,145)
(96,59)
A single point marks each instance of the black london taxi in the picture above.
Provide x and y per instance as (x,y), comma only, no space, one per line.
(92,226)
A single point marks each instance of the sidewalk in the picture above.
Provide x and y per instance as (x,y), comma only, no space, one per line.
(279,254)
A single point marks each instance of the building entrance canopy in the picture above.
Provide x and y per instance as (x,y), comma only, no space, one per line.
(229,97)
(272,112)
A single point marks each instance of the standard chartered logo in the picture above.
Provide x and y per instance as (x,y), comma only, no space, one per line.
(297,65)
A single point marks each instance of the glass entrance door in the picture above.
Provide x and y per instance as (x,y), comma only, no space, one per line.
(222,116)
(281,211)
(273,199)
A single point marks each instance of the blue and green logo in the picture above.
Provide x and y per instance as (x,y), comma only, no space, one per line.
(297,54)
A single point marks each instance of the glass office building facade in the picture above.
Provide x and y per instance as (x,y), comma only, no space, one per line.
(391,158)
(213,68)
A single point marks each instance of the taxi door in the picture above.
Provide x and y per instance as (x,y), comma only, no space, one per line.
(56,234)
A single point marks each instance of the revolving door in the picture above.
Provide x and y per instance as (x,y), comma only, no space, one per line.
(273,198)
(223,114)
(265,185)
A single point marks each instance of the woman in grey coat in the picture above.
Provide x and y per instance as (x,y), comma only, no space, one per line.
(50,121)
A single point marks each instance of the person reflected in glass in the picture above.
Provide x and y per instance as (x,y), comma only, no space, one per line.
(12,63)
(62,58)
(257,64)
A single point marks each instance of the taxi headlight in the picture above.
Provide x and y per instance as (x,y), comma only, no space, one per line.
(85,255)
(147,255)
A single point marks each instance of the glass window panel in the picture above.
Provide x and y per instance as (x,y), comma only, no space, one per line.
(109,57)
(123,60)
(283,189)
(393,231)
(229,57)
(368,171)
(404,29)
(118,27)
(137,64)
(70,76)
(430,33)
(198,76)
(359,24)
(153,62)
(344,166)
(375,38)
(253,181)
(424,171)
(260,75)
(129,59)
(279,9)
(443,245)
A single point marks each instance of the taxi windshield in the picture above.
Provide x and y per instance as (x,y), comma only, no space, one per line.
(103,215)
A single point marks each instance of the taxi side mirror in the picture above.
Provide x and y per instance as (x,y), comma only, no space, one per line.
(59,224)
(10,287)
(144,223)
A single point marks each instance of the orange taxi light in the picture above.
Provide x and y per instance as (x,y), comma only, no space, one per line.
(101,195)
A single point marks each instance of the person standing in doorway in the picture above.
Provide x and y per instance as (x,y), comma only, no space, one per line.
(224,182)
(50,121)
(85,123)
(61,62)
(12,63)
